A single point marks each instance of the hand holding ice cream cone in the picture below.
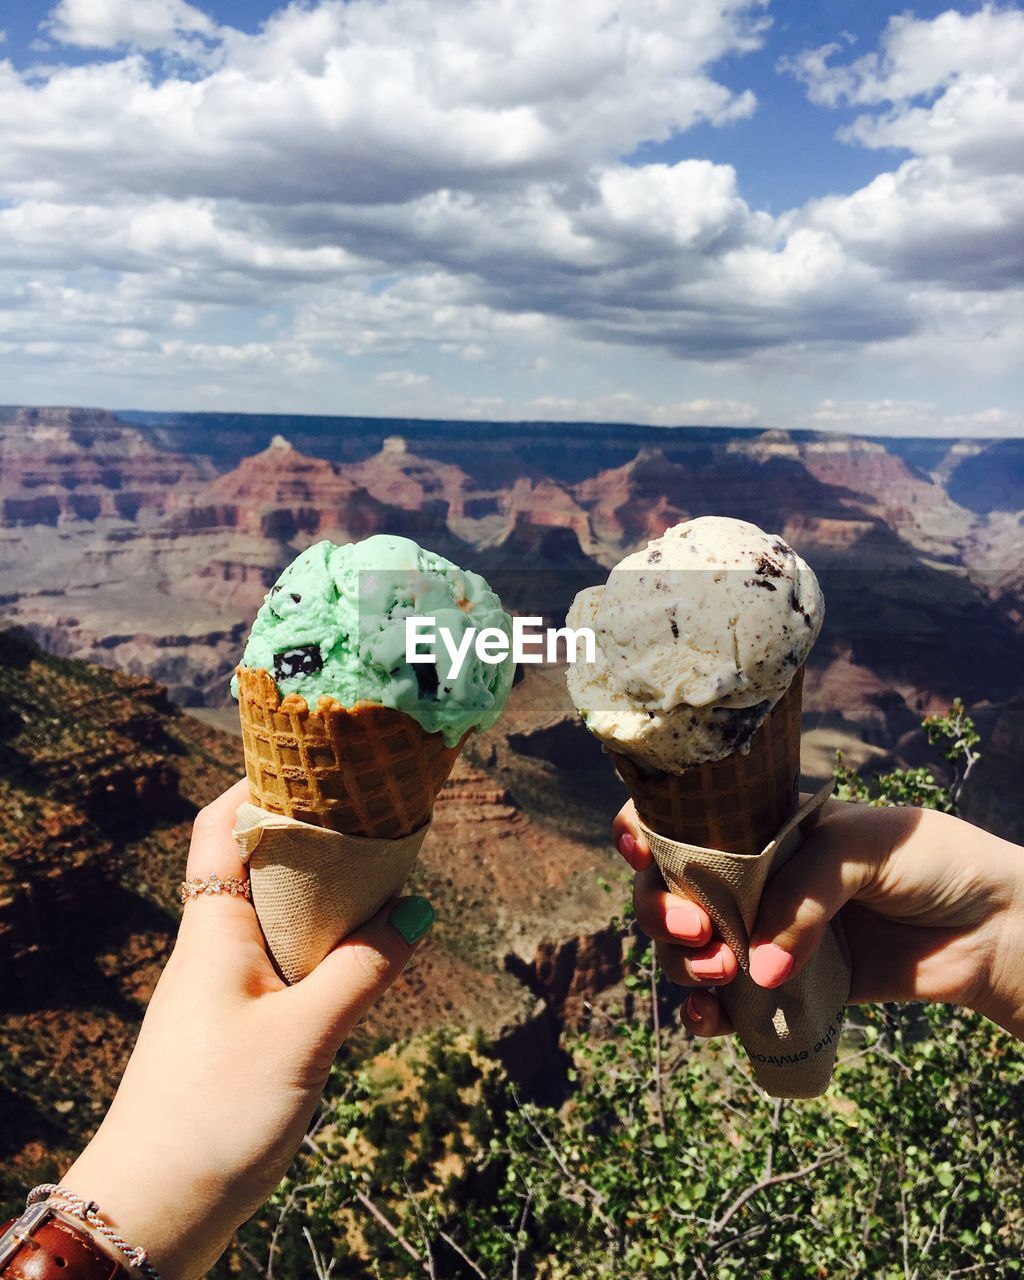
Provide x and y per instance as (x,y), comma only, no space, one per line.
(347,743)
(695,692)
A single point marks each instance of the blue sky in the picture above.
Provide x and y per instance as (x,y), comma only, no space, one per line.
(708,210)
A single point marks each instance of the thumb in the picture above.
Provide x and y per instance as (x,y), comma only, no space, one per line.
(801,899)
(352,977)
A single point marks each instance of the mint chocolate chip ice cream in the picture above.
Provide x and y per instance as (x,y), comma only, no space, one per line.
(335,623)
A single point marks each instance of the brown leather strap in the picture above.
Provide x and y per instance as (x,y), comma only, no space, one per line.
(57,1250)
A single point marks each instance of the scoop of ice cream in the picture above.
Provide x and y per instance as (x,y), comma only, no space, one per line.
(697,637)
(335,623)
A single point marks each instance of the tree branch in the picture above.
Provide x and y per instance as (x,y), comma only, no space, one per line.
(716,1227)
(659,1102)
(390,1228)
(519,1232)
(462,1253)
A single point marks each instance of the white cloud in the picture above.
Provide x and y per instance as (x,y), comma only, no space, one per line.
(917,56)
(404,379)
(909,417)
(437,183)
(371,102)
(626,406)
(951,86)
(951,91)
(930,220)
(142,24)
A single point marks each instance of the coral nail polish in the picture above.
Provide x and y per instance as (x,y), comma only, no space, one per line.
(770,966)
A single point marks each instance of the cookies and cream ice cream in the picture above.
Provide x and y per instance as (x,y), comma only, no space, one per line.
(698,636)
(335,623)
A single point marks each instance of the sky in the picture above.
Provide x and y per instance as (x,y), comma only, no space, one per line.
(734,212)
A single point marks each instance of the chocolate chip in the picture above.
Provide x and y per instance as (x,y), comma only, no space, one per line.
(675,627)
(426,678)
(295,598)
(275,589)
(797,607)
(738,724)
(301,661)
(781,549)
(654,557)
(759,582)
(769,567)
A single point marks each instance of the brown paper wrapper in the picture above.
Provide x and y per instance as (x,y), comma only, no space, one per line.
(717,831)
(790,1034)
(312,887)
(341,800)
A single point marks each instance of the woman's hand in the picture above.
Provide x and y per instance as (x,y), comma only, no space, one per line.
(229,1065)
(932,907)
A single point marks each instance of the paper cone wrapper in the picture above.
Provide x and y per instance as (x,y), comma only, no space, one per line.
(717,832)
(311,887)
(341,800)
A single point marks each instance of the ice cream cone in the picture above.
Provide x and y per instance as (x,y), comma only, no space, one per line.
(717,832)
(736,804)
(365,770)
(341,799)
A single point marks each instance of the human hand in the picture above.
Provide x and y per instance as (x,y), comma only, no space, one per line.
(932,909)
(229,1065)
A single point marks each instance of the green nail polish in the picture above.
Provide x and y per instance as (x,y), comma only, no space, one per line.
(412,917)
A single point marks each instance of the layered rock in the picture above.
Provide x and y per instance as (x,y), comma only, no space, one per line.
(537,568)
(628,506)
(543,503)
(281,495)
(402,478)
(65,465)
(870,479)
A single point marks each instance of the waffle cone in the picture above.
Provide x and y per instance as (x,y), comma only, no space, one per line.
(341,798)
(365,770)
(737,804)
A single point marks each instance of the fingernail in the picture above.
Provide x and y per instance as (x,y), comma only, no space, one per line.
(684,922)
(709,967)
(690,1009)
(627,846)
(412,917)
(770,966)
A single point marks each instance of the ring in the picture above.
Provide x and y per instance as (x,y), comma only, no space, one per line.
(215,884)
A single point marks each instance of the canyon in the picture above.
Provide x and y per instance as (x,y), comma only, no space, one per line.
(137,547)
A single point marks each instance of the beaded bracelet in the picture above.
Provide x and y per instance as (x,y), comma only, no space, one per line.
(88,1211)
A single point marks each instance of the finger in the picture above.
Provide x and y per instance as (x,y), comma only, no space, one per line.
(668,916)
(710,966)
(838,859)
(352,977)
(703,1015)
(213,852)
(629,839)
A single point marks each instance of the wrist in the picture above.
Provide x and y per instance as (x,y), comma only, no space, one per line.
(153,1209)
